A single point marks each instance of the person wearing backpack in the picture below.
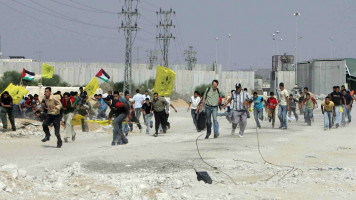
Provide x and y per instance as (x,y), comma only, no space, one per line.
(240,102)
(210,105)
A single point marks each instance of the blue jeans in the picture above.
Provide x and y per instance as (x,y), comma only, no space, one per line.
(148,122)
(195,117)
(308,115)
(102,114)
(347,112)
(337,112)
(118,135)
(258,113)
(211,111)
(282,115)
(328,117)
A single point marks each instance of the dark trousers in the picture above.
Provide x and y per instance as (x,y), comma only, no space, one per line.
(55,119)
(135,120)
(9,112)
(294,112)
(160,119)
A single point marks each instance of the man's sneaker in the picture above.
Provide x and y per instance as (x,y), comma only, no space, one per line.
(284,127)
(164,131)
(241,135)
(66,140)
(280,127)
(217,135)
(337,125)
(233,132)
(325,129)
(206,137)
(259,127)
(155,135)
(13,129)
(73,137)
(113,143)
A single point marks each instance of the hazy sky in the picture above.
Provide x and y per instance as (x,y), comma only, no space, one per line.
(58,30)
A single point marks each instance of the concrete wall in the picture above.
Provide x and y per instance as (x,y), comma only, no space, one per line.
(287,77)
(321,75)
(79,74)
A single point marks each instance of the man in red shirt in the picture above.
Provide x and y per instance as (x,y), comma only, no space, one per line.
(271,107)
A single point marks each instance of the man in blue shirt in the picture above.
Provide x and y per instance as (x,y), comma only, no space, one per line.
(102,107)
(258,108)
(347,107)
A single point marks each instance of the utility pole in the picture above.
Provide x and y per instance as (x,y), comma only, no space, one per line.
(165,34)
(152,58)
(190,57)
(129,25)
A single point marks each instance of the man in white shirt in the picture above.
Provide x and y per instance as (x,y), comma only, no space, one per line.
(194,104)
(283,106)
(138,101)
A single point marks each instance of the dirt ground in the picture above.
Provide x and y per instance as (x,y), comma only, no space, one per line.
(317,164)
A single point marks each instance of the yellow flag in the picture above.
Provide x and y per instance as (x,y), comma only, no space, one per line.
(92,86)
(16,92)
(77,120)
(164,81)
(47,71)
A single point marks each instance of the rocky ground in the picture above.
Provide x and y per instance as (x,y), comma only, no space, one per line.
(302,163)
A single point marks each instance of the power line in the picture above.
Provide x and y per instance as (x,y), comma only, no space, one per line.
(60,16)
(54,25)
(129,26)
(165,35)
(93,8)
(82,9)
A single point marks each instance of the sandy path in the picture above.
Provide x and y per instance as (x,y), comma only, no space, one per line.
(165,164)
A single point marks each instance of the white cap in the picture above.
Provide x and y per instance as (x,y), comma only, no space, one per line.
(104,96)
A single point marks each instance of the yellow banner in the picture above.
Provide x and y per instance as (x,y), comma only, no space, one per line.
(92,86)
(47,71)
(164,81)
(16,92)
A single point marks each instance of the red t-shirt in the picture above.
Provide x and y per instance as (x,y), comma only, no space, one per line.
(272,103)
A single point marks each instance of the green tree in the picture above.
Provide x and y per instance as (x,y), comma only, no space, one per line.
(201,88)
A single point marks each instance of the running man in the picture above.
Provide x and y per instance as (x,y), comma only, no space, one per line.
(138,101)
(328,110)
(347,106)
(240,104)
(69,105)
(54,107)
(210,105)
(293,107)
(271,105)
(337,98)
(146,110)
(283,106)
(7,108)
(310,105)
(194,104)
(160,108)
(258,108)
(120,109)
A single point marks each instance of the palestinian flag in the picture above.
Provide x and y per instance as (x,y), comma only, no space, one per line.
(26,75)
(103,75)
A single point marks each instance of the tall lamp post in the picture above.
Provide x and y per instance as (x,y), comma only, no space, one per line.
(331,46)
(296,14)
(216,51)
(229,61)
